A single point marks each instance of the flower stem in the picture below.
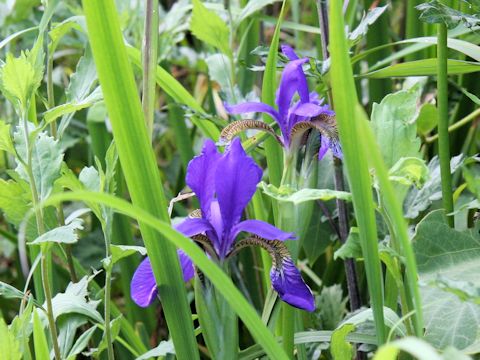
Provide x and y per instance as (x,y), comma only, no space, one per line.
(150,42)
(443,139)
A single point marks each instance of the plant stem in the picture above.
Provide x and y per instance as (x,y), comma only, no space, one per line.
(107,231)
(150,43)
(470,117)
(44,249)
(443,140)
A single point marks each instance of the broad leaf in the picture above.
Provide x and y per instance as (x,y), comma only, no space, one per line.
(207,26)
(351,248)
(163,349)
(427,119)
(393,123)
(122,251)
(448,265)
(6,143)
(81,343)
(434,12)
(340,347)
(66,234)
(67,329)
(14,200)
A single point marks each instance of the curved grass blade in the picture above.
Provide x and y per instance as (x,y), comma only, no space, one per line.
(139,164)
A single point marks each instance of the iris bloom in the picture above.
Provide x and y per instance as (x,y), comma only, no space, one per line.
(224,185)
(294,118)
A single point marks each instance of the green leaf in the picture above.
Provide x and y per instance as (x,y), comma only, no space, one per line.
(207,26)
(351,248)
(288,194)
(252,7)
(361,30)
(102,346)
(434,12)
(39,338)
(67,329)
(122,251)
(419,348)
(448,264)
(391,320)
(393,123)
(14,201)
(6,143)
(81,343)
(66,234)
(332,306)
(340,348)
(220,70)
(19,79)
(74,300)
(425,67)
(427,119)
(418,200)
(46,160)
(8,344)
(409,171)
(163,349)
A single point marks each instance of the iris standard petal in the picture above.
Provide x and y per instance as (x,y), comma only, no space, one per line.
(236,180)
(193,226)
(308,110)
(288,282)
(143,287)
(293,80)
(263,230)
(201,175)
(288,51)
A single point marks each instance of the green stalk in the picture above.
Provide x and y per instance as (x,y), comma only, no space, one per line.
(345,98)
(413,27)
(470,117)
(150,44)
(44,249)
(106,227)
(443,140)
(139,165)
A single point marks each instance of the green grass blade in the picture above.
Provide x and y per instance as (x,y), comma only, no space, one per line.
(345,98)
(269,87)
(139,164)
(218,278)
(39,338)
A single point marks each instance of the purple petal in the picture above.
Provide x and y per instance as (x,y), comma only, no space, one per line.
(308,110)
(201,175)
(291,288)
(324,146)
(288,51)
(236,180)
(293,80)
(143,287)
(190,227)
(262,229)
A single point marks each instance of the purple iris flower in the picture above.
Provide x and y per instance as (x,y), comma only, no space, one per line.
(224,184)
(292,117)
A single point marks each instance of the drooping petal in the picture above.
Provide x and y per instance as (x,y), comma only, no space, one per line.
(193,226)
(236,180)
(143,287)
(263,230)
(201,175)
(288,51)
(288,282)
(324,146)
(293,80)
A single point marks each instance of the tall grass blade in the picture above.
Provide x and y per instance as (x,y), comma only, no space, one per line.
(139,165)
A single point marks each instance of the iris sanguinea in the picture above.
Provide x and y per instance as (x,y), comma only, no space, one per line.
(293,118)
(224,184)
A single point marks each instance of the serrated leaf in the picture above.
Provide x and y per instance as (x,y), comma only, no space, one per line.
(288,194)
(340,347)
(361,30)
(434,12)
(66,234)
(6,143)
(332,307)
(207,26)
(394,127)
(19,79)
(9,346)
(448,266)
(74,300)
(39,338)
(90,178)
(46,161)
